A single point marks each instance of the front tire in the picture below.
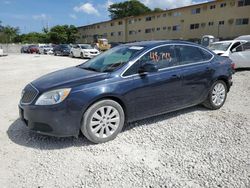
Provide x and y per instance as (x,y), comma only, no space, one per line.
(103,121)
(217,95)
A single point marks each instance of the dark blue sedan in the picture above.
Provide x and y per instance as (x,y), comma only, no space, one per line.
(127,83)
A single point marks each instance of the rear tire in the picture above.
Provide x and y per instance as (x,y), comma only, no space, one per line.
(217,95)
(103,121)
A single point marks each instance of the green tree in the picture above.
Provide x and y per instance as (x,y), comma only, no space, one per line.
(63,34)
(9,33)
(158,10)
(127,8)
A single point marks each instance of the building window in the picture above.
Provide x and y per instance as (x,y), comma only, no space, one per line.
(112,34)
(139,31)
(158,29)
(169,28)
(148,18)
(119,33)
(139,19)
(112,24)
(242,3)
(210,23)
(196,11)
(120,23)
(212,7)
(221,22)
(194,26)
(130,21)
(131,32)
(164,28)
(175,14)
(176,28)
(242,21)
(223,5)
(147,30)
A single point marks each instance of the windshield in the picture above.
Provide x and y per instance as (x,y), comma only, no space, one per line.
(112,59)
(86,46)
(220,46)
(64,46)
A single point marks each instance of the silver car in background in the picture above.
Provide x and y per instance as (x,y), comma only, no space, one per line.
(237,50)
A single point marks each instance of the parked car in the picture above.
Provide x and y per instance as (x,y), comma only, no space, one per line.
(206,40)
(62,49)
(237,50)
(124,84)
(45,49)
(24,49)
(243,37)
(33,49)
(83,51)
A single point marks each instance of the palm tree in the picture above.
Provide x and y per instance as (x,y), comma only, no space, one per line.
(10,33)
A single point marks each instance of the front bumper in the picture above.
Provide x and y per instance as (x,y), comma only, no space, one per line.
(55,120)
(90,55)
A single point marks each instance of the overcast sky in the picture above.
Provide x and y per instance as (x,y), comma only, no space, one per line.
(32,15)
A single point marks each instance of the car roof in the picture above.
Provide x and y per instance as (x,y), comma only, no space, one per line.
(227,41)
(155,43)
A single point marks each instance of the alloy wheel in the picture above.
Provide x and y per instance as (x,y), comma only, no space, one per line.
(104,121)
(218,94)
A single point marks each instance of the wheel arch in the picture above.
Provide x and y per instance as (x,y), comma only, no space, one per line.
(108,97)
(224,79)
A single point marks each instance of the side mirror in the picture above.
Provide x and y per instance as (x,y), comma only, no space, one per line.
(147,68)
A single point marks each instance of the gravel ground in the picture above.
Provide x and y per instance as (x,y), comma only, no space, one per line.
(194,147)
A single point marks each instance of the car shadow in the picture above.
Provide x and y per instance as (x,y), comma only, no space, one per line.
(162,117)
(21,135)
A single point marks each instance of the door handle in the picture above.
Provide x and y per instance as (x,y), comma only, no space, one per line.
(176,76)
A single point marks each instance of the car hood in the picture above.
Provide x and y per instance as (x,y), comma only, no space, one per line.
(68,77)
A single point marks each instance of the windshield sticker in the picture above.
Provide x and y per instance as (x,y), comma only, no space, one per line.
(136,48)
(156,57)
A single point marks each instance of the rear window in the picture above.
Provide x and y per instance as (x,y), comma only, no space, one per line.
(192,54)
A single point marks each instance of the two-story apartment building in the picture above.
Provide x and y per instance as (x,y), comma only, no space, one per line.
(221,18)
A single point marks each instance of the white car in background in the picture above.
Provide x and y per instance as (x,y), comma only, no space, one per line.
(45,49)
(237,50)
(83,51)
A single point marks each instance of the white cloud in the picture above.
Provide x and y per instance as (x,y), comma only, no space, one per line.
(73,16)
(40,17)
(87,8)
(108,3)
(167,4)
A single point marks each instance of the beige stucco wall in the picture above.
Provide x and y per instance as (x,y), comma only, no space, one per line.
(228,14)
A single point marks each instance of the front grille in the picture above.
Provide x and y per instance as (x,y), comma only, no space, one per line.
(29,94)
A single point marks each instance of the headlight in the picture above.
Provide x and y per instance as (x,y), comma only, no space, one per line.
(53,97)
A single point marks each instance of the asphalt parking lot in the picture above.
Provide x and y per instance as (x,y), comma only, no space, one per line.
(194,147)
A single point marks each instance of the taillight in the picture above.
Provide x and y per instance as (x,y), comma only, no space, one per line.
(233,66)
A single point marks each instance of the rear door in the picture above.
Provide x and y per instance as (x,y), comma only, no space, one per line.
(196,73)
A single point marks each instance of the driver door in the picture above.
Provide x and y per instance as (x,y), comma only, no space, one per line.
(156,92)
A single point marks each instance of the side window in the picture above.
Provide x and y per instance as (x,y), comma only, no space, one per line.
(189,54)
(246,46)
(236,47)
(163,57)
(206,55)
